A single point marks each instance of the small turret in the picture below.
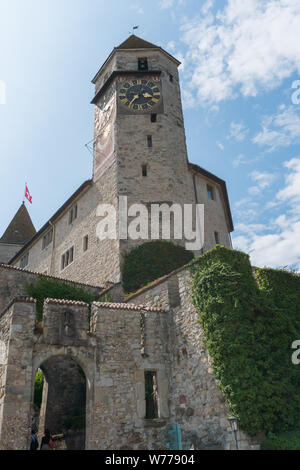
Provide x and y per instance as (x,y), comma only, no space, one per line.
(19,232)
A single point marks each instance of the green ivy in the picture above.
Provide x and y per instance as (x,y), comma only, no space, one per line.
(285,441)
(250,325)
(55,289)
(150,261)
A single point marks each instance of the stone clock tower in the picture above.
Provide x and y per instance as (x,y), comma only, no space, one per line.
(139,129)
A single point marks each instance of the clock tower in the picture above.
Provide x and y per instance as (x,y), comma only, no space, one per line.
(139,140)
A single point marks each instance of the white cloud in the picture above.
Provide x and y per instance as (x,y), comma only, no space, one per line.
(220,145)
(238,131)
(165,4)
(137,8)
(263,178)
(280,130)
(239,160)
(170,46)
(276,243)
(248,46)
(207,6)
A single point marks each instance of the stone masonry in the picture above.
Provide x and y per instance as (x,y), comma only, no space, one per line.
(157,329)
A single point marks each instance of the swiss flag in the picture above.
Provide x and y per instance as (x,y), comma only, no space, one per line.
(27,195)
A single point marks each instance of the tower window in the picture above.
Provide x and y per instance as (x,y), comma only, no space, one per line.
(153,117)
(86,243)
(210,192)
(149,141)
(217,238)
(151,395)
(73,214)
(171,78)
(144,170)
(143,64)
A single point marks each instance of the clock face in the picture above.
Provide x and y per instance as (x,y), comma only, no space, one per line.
(140,94)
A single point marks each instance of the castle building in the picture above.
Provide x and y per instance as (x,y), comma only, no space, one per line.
(139,153)
(123,372)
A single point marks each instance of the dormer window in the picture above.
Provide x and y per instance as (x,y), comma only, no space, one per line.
(143,64)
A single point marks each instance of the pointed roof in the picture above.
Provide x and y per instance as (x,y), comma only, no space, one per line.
(134,42)
(21,228)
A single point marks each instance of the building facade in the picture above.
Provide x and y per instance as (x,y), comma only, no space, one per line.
(137,367)
(139,154)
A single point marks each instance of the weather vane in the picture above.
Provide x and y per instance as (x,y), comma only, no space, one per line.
(134,28)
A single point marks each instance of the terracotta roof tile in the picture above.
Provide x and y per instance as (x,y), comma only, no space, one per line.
(122,306)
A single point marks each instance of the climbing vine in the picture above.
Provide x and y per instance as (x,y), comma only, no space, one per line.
(250,323)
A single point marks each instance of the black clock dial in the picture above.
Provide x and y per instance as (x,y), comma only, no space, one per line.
(139,95)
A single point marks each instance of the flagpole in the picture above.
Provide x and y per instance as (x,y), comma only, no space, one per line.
(24,193)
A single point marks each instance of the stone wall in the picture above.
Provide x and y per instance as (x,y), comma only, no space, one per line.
(197,404)
(14,280)
(7,251)
(157,331)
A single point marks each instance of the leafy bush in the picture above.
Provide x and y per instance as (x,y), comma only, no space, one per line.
(250,325)
(46,288)
(286,441)
(150,261)
(38,388)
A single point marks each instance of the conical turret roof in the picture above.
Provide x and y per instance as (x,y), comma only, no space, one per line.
(21,228)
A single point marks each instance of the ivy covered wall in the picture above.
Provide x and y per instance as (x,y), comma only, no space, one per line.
(250,320)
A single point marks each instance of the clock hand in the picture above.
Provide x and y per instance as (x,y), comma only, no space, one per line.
(135,98)
(147,95)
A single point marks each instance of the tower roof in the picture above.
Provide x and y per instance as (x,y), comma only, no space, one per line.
(21,228)
(134,42)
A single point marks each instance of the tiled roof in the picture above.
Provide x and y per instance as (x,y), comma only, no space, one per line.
(21,228)
(120,306)
(75,303)
(134,42)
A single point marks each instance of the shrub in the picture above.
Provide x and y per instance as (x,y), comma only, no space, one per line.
(150,261)
(286,441)
(46,288)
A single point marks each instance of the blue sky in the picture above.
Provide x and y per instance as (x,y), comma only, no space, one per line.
(240,62)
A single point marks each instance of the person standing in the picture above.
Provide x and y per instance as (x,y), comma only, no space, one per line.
(47,443)
(34,443)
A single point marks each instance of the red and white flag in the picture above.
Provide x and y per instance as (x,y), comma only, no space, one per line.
(27,194)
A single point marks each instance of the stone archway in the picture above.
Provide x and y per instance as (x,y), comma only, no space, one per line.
(63,408)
